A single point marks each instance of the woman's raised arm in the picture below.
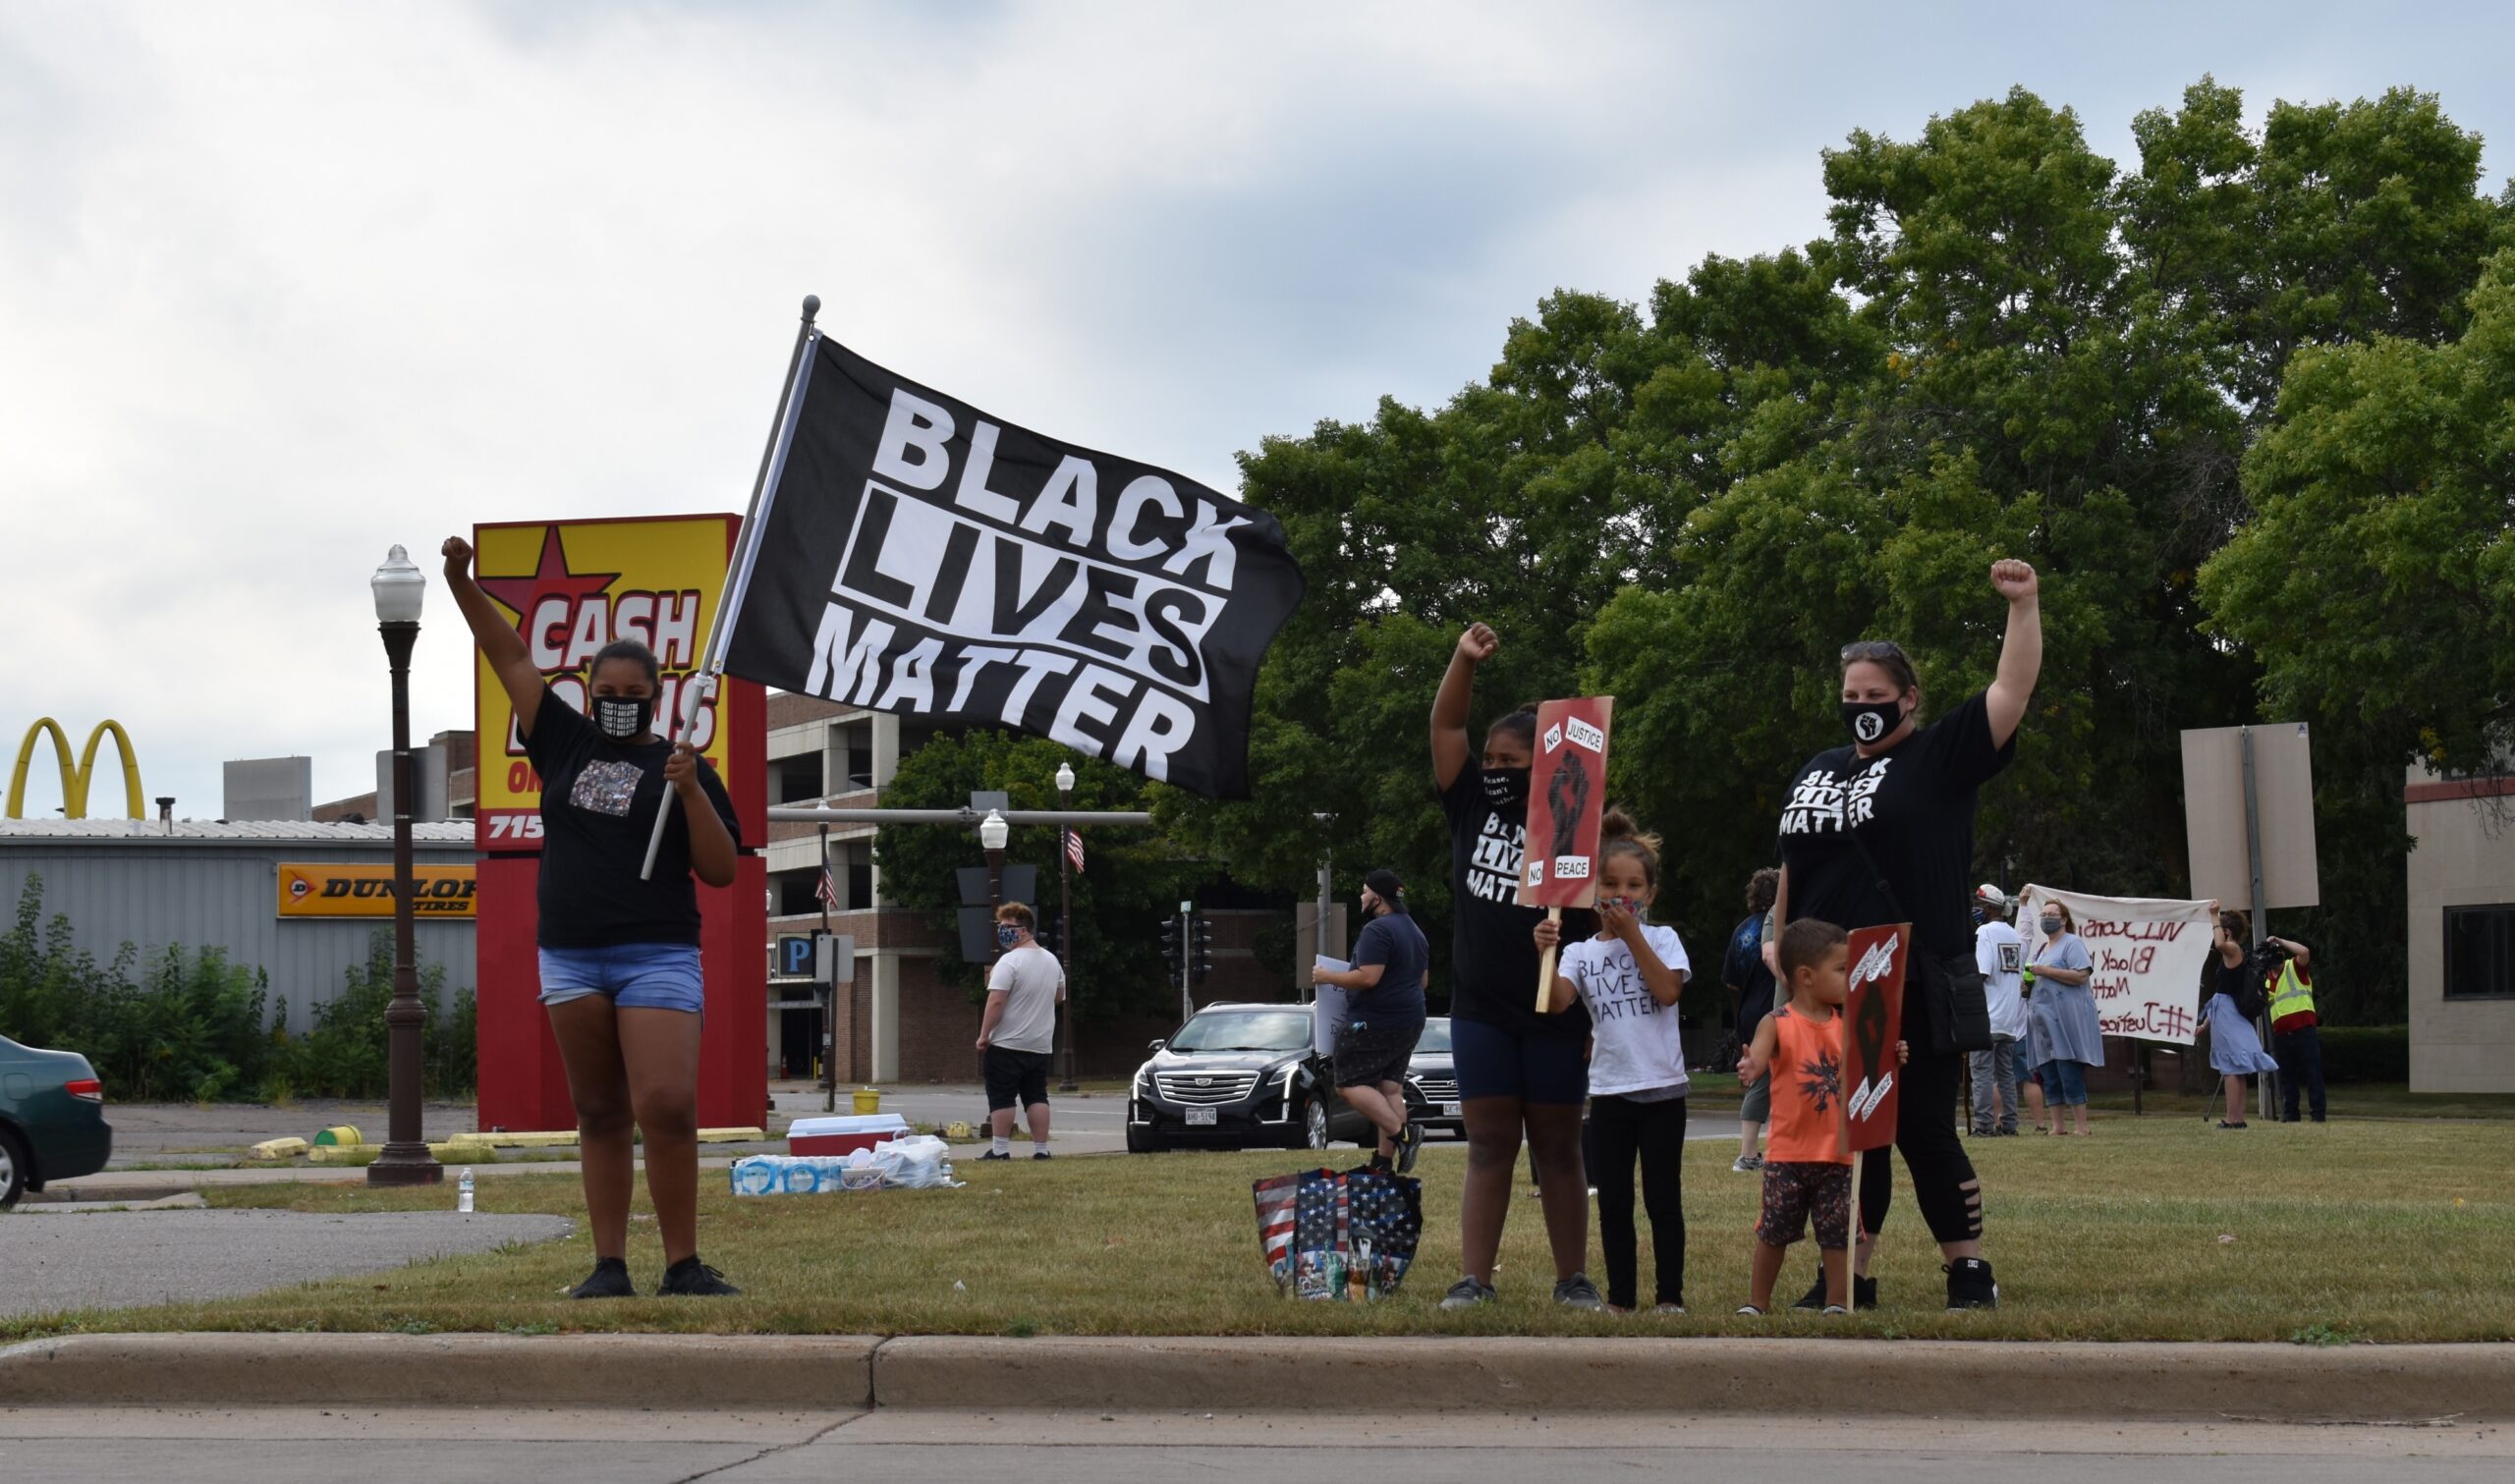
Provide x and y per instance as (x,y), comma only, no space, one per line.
(500,644)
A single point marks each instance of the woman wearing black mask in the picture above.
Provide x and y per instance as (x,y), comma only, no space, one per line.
(619,955)
(1520,1073)
(1882,831)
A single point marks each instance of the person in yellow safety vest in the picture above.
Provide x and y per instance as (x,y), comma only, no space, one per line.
(2287,977)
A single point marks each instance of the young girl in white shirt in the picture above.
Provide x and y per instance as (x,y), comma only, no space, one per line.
(1630,977)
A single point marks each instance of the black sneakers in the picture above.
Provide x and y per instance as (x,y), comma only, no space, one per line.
(1409,1143)
(1864,1293)
(1578,1293)
(1969,1285)
(695,1279)
(608,1280)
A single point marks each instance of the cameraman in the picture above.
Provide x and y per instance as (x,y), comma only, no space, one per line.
(2287,977)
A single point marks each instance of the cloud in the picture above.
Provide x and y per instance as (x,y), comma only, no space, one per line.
(282,285)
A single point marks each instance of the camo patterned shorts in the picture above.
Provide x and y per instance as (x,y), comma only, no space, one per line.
(1794,1192)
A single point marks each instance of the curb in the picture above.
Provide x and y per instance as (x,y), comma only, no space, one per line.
(1955,1380)
(697,1372)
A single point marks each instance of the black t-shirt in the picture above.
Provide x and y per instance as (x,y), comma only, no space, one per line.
(1744,966)
(1394,943)
(1493,958)
(1914,808)
(598,803)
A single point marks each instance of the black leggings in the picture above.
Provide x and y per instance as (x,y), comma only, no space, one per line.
(1619,1129)
(1943,1182)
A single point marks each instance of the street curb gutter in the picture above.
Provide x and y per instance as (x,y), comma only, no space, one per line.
(693,1372)
(1953,1380)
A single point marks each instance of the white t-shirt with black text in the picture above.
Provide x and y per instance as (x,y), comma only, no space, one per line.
(1028,978)
(1638,1048)
(2000,953)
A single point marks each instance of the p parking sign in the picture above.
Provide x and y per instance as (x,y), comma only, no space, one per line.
(793,955)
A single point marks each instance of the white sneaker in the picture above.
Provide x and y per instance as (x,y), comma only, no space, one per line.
(1748,1164)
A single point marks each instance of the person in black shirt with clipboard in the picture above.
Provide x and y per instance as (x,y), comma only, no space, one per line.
(1882,831)
(618,951)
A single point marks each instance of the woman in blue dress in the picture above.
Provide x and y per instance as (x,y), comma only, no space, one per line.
(2235,1048)
(2066,1035)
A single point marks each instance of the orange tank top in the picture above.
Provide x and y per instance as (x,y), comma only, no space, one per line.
(1807,1090)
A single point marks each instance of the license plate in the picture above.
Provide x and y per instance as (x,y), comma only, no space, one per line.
(1200,1117)
(1449,1110)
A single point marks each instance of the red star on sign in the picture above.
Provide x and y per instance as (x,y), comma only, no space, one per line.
(552,579)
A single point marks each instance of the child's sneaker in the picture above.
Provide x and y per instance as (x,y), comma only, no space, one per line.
(1749,1310)
(1466,1293)
(1669,1308)
(1864,1293)
(1748,1164)
(1836,1308)
(1578,1293)
(1969,1285)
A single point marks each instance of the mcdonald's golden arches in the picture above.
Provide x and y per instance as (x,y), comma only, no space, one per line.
(75,778)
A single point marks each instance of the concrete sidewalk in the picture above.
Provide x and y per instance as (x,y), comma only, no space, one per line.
(1949,1380)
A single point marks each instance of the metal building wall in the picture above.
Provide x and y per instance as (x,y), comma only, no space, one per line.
(221,896)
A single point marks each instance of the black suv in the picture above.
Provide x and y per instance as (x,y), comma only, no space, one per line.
(1240,1076)
(1432,1081)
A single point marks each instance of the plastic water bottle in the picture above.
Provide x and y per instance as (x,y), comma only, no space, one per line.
(463,1192)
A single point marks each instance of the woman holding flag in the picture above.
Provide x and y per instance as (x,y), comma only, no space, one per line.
(619,952)
(1879,832)
(1520,1073)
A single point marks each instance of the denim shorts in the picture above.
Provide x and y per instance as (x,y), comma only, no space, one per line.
(1494,1063)
(636,975)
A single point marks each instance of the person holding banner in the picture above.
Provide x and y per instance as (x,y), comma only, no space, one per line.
(2235,1049)
(619,954)
(1521,1074)
(1881,831)
(1629,977)
(2068,1034)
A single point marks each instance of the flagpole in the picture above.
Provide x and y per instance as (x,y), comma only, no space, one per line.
(729,600)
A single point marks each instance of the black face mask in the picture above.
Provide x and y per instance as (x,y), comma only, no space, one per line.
(1872,722)
(622,717)
(1505,787)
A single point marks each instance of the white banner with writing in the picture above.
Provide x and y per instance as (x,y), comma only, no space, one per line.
(2148,952)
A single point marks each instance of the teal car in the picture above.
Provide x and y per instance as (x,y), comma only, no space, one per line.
(53,1120)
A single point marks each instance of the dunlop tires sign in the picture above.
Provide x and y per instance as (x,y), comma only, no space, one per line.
(366,891)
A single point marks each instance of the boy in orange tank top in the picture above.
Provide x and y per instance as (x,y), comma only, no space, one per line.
(1804,1175)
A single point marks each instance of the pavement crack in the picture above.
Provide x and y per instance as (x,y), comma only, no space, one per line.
(774,1452)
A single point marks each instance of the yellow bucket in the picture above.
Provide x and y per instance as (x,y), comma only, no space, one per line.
(867,1100)
(341,1136)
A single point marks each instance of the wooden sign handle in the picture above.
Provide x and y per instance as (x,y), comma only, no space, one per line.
(1545,965)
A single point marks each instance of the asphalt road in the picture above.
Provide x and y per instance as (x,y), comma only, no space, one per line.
(629,1447)
(57,1262)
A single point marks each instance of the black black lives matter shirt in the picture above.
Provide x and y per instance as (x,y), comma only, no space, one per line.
(1493,958)
(1914,808)
(598,803)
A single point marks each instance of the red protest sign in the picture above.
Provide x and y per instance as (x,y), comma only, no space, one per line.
(1567,792)
(1872,1022)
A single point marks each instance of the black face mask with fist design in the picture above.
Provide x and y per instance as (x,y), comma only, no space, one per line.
(1872,722)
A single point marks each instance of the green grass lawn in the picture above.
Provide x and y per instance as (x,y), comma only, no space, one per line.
(2155,1229)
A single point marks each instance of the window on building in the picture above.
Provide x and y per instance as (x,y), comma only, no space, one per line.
(794,896)
(2480,953)
(799,779)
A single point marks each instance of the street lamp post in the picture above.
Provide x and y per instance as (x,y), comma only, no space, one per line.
(399,587)
(1065,929)
(993,833)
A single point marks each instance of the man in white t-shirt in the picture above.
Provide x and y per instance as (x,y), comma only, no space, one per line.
(1019,1031)
(2000,953)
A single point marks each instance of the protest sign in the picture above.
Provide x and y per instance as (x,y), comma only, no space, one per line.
(919,556)
(1872,1022)
(2147,954)
(1567,796)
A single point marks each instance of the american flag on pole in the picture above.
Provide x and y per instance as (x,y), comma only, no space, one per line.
(1074,849)
(828,890)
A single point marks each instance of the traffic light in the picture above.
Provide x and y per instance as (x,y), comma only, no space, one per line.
(1201,960)
(1170,946)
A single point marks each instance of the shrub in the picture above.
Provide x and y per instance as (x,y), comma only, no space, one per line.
(2366,1053)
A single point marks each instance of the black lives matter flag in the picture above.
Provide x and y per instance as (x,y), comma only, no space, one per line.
(921,557)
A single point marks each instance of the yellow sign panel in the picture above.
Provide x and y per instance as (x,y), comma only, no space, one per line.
(572,586)
(366,891)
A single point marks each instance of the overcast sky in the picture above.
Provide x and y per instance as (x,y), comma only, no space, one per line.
(282,285)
